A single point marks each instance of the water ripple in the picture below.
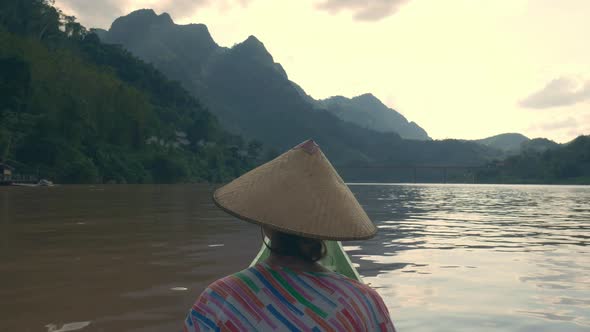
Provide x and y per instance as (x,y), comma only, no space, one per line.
(459,255)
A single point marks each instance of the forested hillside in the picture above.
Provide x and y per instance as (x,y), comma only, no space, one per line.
(509,142)
(253,96)
(78,111)
(569,163)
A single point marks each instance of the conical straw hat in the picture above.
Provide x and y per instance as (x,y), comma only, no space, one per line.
(298,193)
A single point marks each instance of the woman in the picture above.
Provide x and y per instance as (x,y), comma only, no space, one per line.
(299,200)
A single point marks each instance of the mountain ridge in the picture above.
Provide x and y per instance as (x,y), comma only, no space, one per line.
(515,143)
(75,110)
(507,142)
(251,47)
(368,111)
(252,96)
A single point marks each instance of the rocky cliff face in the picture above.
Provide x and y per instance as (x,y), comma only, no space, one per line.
(253,96)
(369,112)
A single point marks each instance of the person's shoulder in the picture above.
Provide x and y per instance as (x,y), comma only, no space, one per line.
(352,282)
(368,289)
(232,280)
(360,287)
(375,301)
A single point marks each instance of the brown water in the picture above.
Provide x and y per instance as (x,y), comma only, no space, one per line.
(446,258)
(112,255)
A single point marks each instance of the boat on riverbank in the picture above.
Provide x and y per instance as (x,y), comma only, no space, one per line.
(335,260)
(41,183)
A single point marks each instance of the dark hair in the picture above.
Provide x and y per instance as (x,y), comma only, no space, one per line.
(292,245)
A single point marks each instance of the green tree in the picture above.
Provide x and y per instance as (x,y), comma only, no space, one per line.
(79,111)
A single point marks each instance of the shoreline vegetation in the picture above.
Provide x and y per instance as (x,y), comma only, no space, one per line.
(75,110)
(566,164)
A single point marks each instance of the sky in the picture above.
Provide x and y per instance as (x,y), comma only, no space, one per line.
(458,68)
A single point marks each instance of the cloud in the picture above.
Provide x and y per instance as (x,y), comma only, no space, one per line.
(562,91)
(93,13)
(569,123)
(103,13)
(364,10)
(563,129)
(180,9)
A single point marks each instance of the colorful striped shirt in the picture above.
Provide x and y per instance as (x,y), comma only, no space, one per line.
(265,298)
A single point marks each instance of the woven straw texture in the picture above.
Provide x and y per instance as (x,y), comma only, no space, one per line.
(299,193)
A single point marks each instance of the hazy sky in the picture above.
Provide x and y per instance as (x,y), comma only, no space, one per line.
(458,68)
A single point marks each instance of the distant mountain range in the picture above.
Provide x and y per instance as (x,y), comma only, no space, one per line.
(543,161)
(514,143)
(253,96)
(117,119)
(369,112)
(505,142)
(75,110)
(189,54)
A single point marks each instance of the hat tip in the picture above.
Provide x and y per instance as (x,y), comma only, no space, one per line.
(309,146)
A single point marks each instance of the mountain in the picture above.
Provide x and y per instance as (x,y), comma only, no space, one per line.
(538,145)
(509,142)
(253,96)
(75,110)
(514,143)
(173,48)
(369,112)
(567,163)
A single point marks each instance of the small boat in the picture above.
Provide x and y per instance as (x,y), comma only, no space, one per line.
(336,260)
(41,183)
(45,183)
(75,326)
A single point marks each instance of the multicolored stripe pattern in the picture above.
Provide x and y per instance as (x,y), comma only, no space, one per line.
(265,298)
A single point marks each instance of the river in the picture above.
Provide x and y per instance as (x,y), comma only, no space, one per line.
(446,258)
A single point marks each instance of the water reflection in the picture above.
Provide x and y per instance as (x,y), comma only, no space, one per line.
(495,257)
(446,258)
(114,256)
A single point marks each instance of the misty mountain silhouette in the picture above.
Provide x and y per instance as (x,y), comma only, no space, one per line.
(252,96)
(369,112)
(514,143)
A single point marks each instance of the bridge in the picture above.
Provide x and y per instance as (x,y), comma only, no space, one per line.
(415,168)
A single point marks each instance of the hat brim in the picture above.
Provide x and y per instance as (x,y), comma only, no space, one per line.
(290,231)
(297,193)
